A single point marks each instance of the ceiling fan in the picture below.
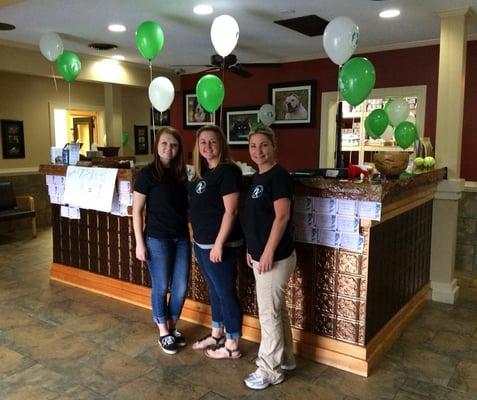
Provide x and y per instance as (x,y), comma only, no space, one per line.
(230,63)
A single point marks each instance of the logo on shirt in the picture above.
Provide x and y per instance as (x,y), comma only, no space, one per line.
(200,188)
(257,192)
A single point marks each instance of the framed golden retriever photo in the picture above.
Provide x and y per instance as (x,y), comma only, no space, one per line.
(194,114)
(294,103)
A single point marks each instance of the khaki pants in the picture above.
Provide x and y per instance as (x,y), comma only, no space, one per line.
(276,346)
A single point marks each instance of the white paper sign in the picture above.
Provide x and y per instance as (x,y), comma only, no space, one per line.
(124,187)
(324,205)
(347,207)
(328,238)
(347,224)
(303,219)
(90,188)
(303,204)
(370,210)
(306,235)
(326,221)
(352,241)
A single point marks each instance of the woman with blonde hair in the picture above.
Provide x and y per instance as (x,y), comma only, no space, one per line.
(163,242)
(271,254)
(214,199)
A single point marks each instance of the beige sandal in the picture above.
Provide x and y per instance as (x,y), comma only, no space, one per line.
(208,341)
(221,351)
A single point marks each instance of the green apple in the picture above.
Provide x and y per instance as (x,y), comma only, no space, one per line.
(418,161)
(429,162)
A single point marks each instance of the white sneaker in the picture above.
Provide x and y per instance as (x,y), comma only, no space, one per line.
(257,381)
(288,367)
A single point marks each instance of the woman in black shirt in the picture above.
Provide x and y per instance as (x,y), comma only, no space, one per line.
(214,199)
(164,240)
(271,254)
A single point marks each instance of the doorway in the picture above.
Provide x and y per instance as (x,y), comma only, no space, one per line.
(83,132)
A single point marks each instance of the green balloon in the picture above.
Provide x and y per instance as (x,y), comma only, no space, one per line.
(149,39)
(68,65)
(124,138)
(210,92)
(356,80)
(376,123)
(405,134)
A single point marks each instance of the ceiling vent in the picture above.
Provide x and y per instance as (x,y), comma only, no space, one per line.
(102,46)
(309,25)
(6,27)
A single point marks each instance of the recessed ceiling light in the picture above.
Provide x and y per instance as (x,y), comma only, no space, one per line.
(119,57)
(116,28)
(391,13)
(203,9)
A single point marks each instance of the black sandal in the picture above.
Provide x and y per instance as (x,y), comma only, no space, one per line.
(221,351)
(202,345)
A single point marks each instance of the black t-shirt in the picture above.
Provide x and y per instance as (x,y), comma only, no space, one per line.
(259,212)
(206,203)
(166,204)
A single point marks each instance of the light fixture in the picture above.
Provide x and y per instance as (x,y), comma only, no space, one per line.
(119,57)
(203,9)
(116,28)
(390,13)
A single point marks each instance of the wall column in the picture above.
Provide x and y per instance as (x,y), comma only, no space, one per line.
(450,111)
(113,114)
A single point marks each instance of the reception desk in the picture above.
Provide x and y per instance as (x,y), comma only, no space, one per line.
(346,308)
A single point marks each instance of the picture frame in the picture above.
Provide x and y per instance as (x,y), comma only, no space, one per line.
(141,141)
(294,103)
(13,140)
(194,116)
(239,121)
(152,136)
(156,120)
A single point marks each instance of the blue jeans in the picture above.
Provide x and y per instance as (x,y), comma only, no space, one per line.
(221,280)
(168,263)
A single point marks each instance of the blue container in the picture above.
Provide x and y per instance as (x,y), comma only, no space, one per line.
(66,156)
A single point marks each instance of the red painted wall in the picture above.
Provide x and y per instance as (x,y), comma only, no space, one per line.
(299,147)
(469,130)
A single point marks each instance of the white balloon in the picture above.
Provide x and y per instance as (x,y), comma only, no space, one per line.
(411,118)
(340,39)
(224,34)
(266,114)
(161,93)
(398,111)
(51,46)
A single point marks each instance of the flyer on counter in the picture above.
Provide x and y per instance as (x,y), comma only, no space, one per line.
(303,204)
(347,207)
(325,205)
(325,221)
(352,242)
(306,235)
(328,238)
(346,223)
(304,219)
(370,210)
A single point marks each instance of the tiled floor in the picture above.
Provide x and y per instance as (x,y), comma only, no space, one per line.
(58,342)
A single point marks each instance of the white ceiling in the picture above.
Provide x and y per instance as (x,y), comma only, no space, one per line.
(187,37)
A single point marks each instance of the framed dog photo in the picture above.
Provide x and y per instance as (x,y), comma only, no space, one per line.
(294,103)
(141,144)
(194,114)
(13,141)
(239,122)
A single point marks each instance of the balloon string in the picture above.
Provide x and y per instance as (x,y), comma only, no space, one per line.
(54,77)
(69,95)
(222,122)
(152,107)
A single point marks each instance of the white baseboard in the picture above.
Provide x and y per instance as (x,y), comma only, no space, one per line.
(445,292)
